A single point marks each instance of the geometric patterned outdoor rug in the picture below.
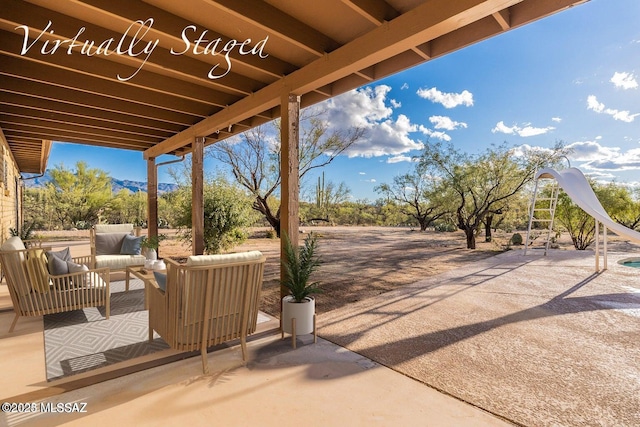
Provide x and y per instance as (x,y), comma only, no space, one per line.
(82,340)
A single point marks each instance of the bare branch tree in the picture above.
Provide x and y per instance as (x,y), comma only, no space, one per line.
(254,157)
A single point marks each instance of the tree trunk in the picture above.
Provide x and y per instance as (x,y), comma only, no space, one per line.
(261,206)
(471,238)
(487,228)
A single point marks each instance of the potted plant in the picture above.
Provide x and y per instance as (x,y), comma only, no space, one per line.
(150,244)
(298,308)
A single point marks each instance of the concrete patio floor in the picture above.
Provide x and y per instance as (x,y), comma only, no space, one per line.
(322,384)
(431,332)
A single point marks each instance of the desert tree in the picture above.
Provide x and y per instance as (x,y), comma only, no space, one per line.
(614,198)
(327,197)
(419,193)
(254,157)
(78,197)
(623,203)
(485,184)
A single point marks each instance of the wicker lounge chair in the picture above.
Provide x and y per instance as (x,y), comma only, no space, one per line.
(107,249)
(36,292)
(221,292)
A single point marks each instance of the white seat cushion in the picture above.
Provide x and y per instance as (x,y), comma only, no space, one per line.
(118,262)
(113,228)
(223,258)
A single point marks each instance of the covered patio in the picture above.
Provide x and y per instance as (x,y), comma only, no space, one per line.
(144,85)
(168,78)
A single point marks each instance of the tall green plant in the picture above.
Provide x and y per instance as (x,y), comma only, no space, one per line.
(227,213)
(299,264)
(78,196)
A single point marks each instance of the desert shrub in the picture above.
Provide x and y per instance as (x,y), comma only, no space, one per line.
(227,214)
(445,227)
(516,239)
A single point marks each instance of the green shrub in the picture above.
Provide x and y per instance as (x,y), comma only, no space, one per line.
(516,239)
(445,227)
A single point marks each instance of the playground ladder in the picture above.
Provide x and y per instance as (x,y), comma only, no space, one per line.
(547,205)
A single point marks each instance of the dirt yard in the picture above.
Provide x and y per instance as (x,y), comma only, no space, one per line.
(358,262)
(361,262)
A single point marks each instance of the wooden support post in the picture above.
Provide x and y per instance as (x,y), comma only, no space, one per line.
(197,196)
(289,168)
(152,198)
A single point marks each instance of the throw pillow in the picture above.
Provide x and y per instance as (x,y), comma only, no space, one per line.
(109,243)
(37,270)
(57,262)
(131,245)
(161,279)
(78,268)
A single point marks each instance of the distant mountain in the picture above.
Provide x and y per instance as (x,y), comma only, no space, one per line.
(116,184)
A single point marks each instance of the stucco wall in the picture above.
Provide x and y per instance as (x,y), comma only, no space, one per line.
(10,192)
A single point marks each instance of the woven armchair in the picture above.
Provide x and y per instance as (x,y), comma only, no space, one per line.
(106,243)
(219,292)
(34,292)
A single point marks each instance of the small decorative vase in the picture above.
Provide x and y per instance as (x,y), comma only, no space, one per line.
(159,265)
(151,254)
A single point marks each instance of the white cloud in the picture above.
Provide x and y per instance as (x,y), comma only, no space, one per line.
(556,119)
(398,159)
(395,104)
(448,100)
(443,122)
(404,86)
(598,107)
(624,80)
(523,149)
(524,132)
(593,104)
(367,108)
(602,159)
(591,150)
(434,134)
(362,173)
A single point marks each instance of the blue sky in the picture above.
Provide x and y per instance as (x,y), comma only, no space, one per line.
(573,77)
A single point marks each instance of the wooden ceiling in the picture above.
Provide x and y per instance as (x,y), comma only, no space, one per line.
(142,85)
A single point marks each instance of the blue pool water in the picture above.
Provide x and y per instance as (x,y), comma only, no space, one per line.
(634,264)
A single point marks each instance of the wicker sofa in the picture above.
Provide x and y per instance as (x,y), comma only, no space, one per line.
(35,291)
(116,246)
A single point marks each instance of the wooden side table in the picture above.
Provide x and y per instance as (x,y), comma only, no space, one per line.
(144,274)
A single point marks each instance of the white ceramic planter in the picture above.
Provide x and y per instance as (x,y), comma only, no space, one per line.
(150,254)
(303,312)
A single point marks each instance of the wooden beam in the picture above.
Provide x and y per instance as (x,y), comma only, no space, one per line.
(44,154)
(290,184)
(502,17)
(269,18)
(375,11)
(197,196)
(152,198)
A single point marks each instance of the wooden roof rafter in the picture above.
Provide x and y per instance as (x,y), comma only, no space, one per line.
(313,49)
